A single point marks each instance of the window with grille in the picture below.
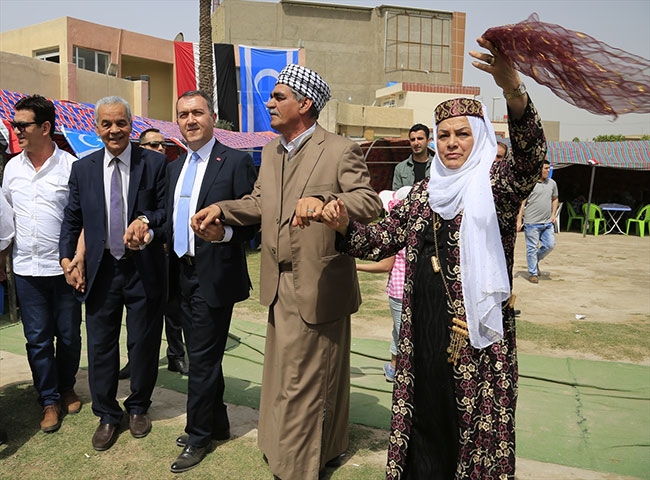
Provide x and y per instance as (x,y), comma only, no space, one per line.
(418,42)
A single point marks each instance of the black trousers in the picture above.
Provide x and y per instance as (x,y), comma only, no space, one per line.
(116,286)
(206,333)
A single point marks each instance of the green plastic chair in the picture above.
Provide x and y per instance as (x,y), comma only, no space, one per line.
(596,218)
(642,217)
(573,216)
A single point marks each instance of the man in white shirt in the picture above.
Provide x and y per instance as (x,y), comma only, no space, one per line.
(36,186)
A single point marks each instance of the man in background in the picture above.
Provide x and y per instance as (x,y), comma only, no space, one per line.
(537,217)
(152,139)
(502,149)
(417,165)
(35,185)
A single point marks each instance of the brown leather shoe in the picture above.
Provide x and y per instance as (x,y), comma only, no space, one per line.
(51,420)
(139,424)
(533,279)
(105,436)
(70,402)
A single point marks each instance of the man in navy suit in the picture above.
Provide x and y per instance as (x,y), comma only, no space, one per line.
(117,198)
(210,277)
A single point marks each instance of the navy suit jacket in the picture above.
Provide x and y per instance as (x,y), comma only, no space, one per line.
(221,267)
(87,209)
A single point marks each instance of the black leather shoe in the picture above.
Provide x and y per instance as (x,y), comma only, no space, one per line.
(125,372)
(189,458)
(139,424)
(178,365)
(219,435)
(105,436)
(337,461)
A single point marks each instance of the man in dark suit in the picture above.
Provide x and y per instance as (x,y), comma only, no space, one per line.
(117,197)
(209,276)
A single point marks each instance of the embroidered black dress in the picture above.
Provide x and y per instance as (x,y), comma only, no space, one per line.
(452,422)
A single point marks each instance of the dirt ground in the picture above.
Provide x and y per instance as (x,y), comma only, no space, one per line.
(604,279)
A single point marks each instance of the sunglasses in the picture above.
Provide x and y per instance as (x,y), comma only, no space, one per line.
(153,144)
(21,126)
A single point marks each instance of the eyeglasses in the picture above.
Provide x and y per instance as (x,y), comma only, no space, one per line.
(153,144)
(21,126)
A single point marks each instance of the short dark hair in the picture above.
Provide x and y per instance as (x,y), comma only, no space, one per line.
(546,162)
(420,126)
(42,107)
(144,133)
(199,93)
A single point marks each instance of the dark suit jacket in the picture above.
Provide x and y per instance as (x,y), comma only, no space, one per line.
(87,209)
(221,267)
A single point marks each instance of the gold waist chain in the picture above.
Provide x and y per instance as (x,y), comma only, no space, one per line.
(459,333)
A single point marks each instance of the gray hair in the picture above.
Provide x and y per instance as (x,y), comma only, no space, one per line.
(113,100)
(313,112)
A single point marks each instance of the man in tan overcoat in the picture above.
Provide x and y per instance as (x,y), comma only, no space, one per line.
(311,290)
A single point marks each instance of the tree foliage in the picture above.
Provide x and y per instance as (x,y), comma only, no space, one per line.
(610,138)
(225,124)
(206,76)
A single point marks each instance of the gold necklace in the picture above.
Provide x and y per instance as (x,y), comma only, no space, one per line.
(459,333)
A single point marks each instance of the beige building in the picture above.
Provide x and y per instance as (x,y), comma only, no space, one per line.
(417,52)
(422,98)
(357,49)
(84,61)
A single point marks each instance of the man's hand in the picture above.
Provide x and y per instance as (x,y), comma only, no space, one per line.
(308,209)
(207,225)
(335,216)
(73,276)
(137,235)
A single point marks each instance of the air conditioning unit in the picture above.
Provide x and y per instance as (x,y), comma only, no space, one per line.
(111,70)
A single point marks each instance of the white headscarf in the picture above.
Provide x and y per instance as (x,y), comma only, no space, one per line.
(483,268)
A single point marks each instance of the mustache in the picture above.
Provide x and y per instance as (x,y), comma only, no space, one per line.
(273,111)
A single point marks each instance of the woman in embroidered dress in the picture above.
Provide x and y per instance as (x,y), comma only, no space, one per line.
(455,387)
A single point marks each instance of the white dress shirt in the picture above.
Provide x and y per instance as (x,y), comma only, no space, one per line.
(204,154)
(38,200)
(7,229)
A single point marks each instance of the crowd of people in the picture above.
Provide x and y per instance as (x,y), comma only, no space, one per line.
(123,230)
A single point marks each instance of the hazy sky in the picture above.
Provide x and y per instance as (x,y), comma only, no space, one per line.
(622,24)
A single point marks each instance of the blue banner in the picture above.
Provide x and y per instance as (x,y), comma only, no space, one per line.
(259,69)
(81,141)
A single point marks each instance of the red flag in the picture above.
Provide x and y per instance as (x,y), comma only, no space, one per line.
(9,137)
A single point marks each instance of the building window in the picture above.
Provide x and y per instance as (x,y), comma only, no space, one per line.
(49,55)
(92,60)
(418,42)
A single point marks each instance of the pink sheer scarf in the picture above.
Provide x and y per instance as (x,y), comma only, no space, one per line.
(578,68)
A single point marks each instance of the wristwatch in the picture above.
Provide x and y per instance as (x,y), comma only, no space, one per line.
(517,92)
(144,219)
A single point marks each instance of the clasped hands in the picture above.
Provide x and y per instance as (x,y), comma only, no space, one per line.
(208,226)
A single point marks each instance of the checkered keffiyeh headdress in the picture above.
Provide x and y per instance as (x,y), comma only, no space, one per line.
(306,82)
